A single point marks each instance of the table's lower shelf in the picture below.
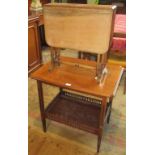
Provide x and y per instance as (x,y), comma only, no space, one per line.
(76,111)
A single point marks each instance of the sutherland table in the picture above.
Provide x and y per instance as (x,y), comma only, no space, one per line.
(81,102)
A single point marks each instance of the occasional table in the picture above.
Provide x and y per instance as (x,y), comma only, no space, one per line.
(82,102)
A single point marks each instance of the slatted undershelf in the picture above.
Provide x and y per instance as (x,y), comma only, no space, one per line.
(76,111)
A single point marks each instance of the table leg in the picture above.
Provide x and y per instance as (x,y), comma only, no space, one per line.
(41,104)
(101,121)
(110,102)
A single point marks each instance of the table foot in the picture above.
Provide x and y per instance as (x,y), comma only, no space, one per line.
(99,143)
(44,125)
(41,104)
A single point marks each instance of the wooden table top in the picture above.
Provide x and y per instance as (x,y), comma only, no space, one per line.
(64,23)
(80,79)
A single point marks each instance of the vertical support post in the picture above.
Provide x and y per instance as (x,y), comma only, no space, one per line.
(52,60)
(104,60)
(41,104)
(101,121)
(110,102)
(98,68)
(101,67)
(55,58)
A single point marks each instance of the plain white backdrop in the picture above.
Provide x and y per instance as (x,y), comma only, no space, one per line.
(13,78)
(140,108)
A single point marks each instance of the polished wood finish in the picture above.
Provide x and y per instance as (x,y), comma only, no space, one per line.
(71,26)
(81,78)
(34,50)
(78,26)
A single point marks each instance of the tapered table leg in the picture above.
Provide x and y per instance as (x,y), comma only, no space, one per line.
(101,121)
(41,104)
(110,102)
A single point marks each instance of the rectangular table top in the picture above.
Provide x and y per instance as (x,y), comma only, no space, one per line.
(80,79)
(83,27)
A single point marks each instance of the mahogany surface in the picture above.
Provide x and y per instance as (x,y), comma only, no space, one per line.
(82,112)
(86,28)
(81,79)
